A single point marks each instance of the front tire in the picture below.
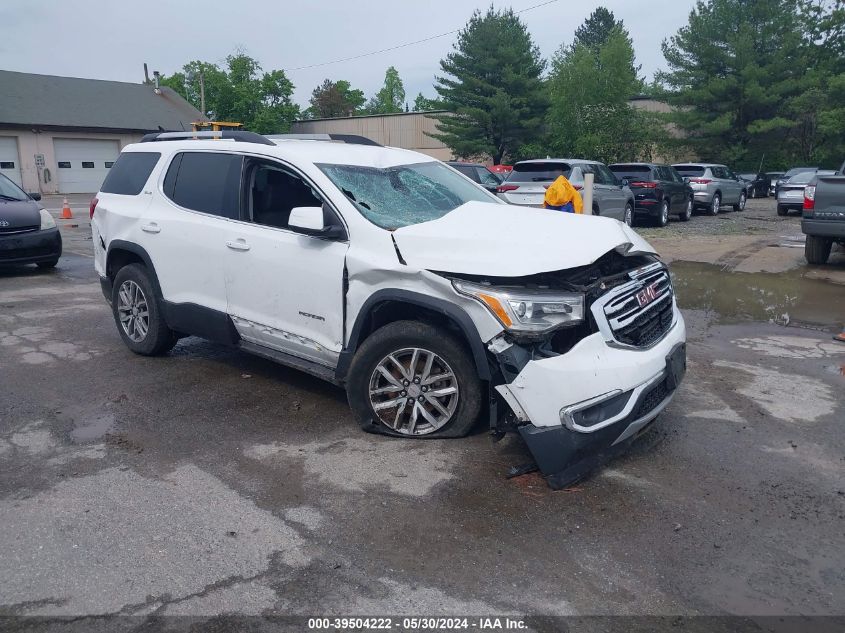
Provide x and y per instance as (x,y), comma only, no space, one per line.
(138,314)
(715,204)
(628,216)
(740,206)
(687,212)
(410,379)
(47,265)
(817,249)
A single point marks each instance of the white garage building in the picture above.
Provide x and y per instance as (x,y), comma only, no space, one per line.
(62,134)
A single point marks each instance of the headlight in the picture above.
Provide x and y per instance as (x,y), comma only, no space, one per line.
(527,311)
(47,221)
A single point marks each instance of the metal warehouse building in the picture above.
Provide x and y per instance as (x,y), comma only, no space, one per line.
(408,130)
(62,134)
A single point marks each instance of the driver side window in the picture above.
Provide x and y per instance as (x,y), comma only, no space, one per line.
(274,191)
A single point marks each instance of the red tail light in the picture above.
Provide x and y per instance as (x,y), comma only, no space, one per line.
(645,185)
(810,197)
(91,208)
(504,188)
(700,181)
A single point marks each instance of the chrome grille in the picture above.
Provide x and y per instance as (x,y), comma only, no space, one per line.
(640,312)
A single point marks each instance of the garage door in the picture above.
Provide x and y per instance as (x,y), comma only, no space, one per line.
(10,164)
(83,163)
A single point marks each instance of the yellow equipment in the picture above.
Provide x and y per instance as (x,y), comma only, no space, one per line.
(215,126)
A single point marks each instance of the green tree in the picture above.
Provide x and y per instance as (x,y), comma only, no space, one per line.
(335,99)
(590,115)
(597,29)
(423,104)
(240,92)
(733,72)
(391,97)
(491,88)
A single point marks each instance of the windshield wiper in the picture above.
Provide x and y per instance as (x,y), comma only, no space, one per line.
(11,198)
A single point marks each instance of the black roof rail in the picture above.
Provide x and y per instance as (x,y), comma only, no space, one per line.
(352,139)
(228,135)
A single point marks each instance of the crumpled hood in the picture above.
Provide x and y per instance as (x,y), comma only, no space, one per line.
(485,238)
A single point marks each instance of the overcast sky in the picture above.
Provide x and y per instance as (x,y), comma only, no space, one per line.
(109,39)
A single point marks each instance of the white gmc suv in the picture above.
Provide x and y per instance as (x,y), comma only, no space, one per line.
(429,299)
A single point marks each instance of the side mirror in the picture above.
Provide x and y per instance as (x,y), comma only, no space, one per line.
(309,221)
(34,196)
(686,179)
(625,182)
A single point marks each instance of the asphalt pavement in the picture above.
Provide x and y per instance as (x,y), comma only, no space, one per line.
(210,481)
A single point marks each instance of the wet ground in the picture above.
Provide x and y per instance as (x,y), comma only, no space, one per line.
(209,481)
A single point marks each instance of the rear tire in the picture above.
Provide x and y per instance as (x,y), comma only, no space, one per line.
(817,249)
(137,313)
(715,204)
(663,218)
(628,217)
(783,211)
(376,380)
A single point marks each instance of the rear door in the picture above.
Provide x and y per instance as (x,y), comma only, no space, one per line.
(185,230)
(285,289)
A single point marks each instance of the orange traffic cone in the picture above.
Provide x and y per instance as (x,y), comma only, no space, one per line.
(66,213)
(840,337)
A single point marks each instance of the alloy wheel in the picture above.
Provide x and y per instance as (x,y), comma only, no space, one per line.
(413,391)
(132,310)
(629,215)
(664,213)
(688,210)
(716,205)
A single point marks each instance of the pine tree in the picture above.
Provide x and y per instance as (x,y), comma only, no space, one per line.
(491,87)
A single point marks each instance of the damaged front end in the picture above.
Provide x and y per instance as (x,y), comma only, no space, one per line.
(589,356)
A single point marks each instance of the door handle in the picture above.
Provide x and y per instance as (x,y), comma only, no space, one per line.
(238,244)
(152,227)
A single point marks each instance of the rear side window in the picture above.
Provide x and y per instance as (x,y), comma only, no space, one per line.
(690,170)
(205,181)
(129,173)
(538,172)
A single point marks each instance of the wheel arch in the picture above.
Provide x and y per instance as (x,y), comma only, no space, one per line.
(389,305)
(122,253)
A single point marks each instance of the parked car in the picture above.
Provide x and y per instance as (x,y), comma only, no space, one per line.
(713,186)
(659,191)
(527,183)
(823,217)
(478,173)
(791,192)
(28,233)
(757,185)
(773,177)
(384,271)
(789,174)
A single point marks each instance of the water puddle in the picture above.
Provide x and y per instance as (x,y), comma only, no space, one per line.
(92,429)
(783,298)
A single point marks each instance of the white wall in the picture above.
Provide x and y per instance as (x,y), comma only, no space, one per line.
(32,142)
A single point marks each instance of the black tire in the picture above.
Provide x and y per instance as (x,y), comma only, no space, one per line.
(401,335)
(663,219)
(45,265)
(715,203)
(158,338)
(817,249)
(740,206)
(686,214)
(782,211)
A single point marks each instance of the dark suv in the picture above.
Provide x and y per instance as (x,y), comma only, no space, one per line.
(659,191)
(478,173)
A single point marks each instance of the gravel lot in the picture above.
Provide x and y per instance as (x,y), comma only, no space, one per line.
(211,482)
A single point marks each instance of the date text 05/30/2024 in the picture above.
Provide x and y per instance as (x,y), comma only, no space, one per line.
(417,623)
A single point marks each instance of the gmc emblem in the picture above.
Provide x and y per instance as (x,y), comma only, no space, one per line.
(647,294)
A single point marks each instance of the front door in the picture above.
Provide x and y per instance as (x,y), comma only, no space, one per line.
(285,289)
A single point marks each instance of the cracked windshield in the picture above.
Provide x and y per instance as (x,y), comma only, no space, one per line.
(393,197)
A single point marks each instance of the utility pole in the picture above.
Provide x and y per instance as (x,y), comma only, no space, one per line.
(202,94)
